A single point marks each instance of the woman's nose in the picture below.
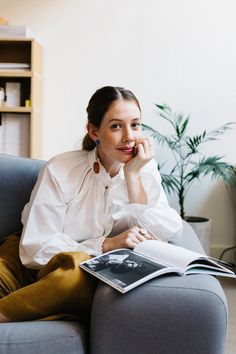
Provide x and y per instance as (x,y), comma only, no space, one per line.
(127,136)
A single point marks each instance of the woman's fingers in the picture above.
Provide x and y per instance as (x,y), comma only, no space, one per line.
(145,147)
(140,234)
(128,239)
(144,152)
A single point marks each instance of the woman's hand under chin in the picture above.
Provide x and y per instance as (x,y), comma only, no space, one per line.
(144,152)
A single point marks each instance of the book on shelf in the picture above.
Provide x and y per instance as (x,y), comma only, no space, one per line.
(13,93)
(16,31)
(125,269)
(14,66)
(14,134)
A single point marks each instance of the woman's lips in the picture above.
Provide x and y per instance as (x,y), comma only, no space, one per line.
(127,150)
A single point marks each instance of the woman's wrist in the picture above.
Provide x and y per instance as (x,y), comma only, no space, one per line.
(135,188)
(130,173)
(132,179)
(106,245)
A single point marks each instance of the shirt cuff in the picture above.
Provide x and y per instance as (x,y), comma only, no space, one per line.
(93,247)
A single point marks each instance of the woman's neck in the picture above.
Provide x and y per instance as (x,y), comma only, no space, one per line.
(111,167)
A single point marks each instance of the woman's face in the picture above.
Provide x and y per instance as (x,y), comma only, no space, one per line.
(118,133)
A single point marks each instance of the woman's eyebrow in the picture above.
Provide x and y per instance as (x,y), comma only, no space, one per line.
(121,120)
(116,119)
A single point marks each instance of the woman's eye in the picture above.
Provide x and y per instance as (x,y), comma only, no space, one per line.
(136,125)
(115,126)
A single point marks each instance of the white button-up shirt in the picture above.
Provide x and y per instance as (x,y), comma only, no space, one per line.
(72,209)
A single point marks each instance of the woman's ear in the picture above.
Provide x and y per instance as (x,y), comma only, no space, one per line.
(92,131)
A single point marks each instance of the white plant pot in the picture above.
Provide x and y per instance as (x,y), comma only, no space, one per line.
(203,230)
(232,190)
(232,193)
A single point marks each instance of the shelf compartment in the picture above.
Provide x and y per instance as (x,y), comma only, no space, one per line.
(15,52)
(25,87)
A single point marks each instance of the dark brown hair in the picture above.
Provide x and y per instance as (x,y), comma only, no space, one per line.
(99,104)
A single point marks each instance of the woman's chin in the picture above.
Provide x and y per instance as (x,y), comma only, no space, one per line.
(122,159)
(127,158)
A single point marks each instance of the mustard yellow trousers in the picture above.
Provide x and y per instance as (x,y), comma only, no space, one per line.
(60,287)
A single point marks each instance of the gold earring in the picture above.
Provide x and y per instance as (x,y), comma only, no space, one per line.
(96,166)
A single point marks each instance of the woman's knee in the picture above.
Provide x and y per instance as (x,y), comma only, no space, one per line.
(71,259)
(63,261)
(71,285)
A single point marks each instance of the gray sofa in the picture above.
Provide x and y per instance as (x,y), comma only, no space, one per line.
(168,315)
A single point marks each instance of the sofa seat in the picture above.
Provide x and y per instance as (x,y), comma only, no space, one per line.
(43,337)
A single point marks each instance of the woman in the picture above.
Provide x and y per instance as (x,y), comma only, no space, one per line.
(106,196)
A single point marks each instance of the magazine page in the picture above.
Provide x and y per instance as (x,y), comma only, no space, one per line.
(209,263)
(166,253)
(124,269)
(182,258)
(212,271)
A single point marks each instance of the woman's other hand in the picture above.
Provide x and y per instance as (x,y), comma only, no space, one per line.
(127,239)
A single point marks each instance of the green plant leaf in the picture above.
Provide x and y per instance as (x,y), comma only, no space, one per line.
(214,134)
(195,141)
(170,183)
(155,134)
(166,113)
(161,107)
(213,166)
(184,126)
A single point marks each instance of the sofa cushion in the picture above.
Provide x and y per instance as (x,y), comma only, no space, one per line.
(43,337)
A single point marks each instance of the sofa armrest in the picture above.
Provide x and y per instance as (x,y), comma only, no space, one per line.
(18,176)
(169,314)
(189,239)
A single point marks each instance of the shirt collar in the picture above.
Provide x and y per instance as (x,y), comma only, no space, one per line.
(103,175)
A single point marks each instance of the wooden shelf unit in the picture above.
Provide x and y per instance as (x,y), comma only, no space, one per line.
(29,51)
(15,109)
(15,73)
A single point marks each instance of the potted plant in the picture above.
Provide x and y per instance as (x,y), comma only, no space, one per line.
(189,163)
(231,187)
(234,177)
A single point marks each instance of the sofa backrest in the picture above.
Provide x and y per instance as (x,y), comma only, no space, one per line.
(17,179)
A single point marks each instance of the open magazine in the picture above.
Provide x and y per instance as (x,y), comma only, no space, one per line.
(124,269)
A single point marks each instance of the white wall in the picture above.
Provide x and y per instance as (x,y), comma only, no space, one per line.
(180,52)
